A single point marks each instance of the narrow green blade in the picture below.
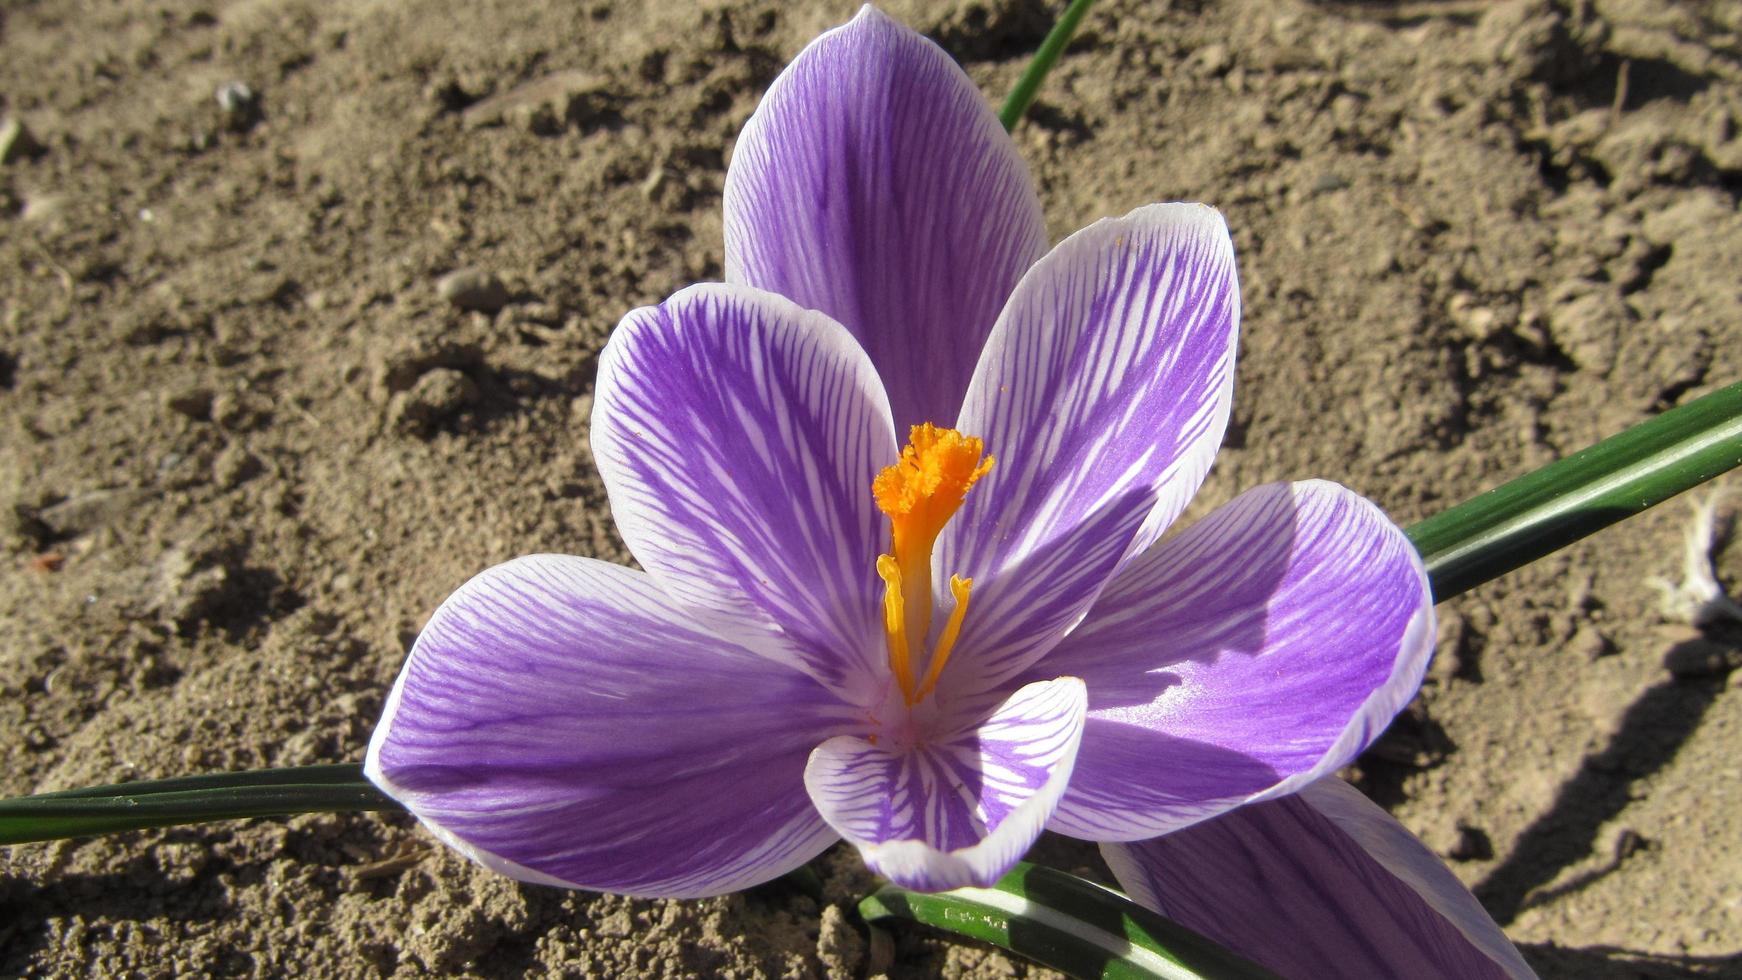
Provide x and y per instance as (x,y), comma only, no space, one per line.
(1022,96)
(1069,924)
(189,799)
(1521,521)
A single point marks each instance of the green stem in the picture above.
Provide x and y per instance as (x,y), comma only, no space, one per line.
(1029,84)
(189,799)
(1512,525)
(1064,922)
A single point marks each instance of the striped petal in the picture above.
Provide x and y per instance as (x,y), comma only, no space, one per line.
(1319,884)
(562,721)
(1103,394)
(962,807)
(1263,648)
(738,437)
(875,184)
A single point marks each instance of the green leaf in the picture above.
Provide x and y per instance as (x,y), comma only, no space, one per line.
(189,799)
(1517,523)
(1022,96)
(1064,922)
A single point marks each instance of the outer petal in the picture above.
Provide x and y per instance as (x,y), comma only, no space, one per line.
(1320,884)
(1261,649)
(965,807)
(738,436)
(1103,394)
(876,185)
(563,722)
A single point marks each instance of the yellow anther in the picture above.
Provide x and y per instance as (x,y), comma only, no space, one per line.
(895,625)
(959,587)
(920,493)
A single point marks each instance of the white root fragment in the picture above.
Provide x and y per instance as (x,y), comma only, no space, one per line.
(1699,598)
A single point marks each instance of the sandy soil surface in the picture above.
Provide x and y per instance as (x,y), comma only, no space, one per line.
(250,438)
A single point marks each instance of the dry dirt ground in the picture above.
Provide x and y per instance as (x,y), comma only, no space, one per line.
(249,439)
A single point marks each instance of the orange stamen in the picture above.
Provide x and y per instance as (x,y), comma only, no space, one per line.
(959,587)
(920,493)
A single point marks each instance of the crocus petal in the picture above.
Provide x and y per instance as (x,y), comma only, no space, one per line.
(738,436)
(562,721)
(1103,395)
(963,808)
(876,185)
(1260,649)
(1319,884)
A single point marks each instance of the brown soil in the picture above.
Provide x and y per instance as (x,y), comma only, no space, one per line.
(247,442)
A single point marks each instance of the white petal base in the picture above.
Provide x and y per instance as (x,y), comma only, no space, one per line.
(964,808)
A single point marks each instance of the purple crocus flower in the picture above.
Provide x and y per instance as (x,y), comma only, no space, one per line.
(934,650)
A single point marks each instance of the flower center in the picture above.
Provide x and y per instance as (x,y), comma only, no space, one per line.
(920,493)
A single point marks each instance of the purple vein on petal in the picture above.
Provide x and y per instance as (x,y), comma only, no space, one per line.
(1261,648)
(1322,883)
(738,437)
(563,721)
(875,184)
(1103,392)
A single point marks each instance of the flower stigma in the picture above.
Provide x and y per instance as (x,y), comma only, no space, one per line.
(920,493)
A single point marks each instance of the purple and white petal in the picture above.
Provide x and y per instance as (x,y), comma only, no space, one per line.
(875,184)
(562,721)
(1103,394)
(1319,884)
(738,436)
(1262,648)
(959,809)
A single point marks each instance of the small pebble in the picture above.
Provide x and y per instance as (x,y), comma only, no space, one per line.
(236,412)
(401,368)
(433,400)
(616,925)
(89,511)
(43,208)
(234,467)
(240,105)
(654,182)
(1214,59)
(1589,643)
(1470,844)
(473,289)
(16,142)
(37,739)
(540,119)
(189,588)
(235,96)
(1629,842)
(840,948)
(1455,651)
(1579,598)
(195,403)
(1477,322)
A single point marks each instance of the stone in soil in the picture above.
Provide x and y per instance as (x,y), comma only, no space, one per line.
(16,142)
(473,289)
(434,399)
(88,511)
(194,403)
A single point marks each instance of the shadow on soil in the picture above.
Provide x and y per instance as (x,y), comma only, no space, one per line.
(1651,733)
